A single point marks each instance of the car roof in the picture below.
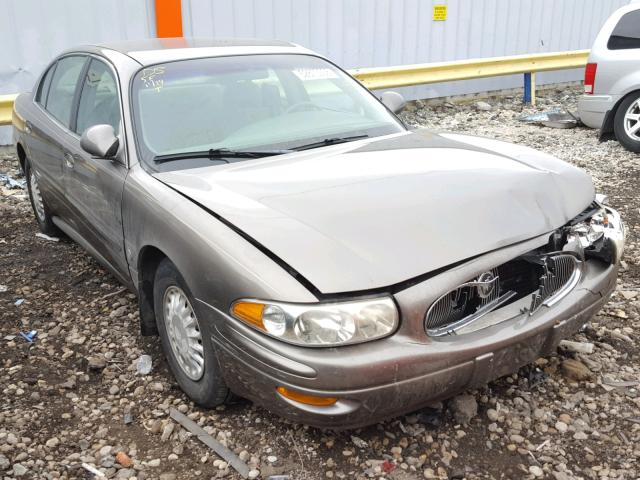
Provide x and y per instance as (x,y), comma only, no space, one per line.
(157,50)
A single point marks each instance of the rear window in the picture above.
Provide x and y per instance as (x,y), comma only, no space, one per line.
(626,35)
(43,89)
(63,88)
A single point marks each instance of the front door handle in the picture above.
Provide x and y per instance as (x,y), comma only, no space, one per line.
(69,160)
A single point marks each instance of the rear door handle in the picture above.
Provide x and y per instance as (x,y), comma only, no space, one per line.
(69,160)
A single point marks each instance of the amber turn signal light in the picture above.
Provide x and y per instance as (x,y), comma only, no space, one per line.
(249,312)
(306,399)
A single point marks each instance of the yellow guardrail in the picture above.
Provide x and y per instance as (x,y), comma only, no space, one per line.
(408,75)
(6,108)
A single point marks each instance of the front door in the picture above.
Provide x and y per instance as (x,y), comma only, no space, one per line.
(94,186)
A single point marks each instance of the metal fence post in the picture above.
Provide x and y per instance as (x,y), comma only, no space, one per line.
(530,88)
(533,89)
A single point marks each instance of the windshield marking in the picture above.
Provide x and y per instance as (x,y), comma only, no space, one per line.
(149,78)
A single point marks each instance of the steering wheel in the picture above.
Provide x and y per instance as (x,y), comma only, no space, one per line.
(301,106)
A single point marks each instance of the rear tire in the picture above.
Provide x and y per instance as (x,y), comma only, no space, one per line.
(626,124)
(40,209)
(186,341)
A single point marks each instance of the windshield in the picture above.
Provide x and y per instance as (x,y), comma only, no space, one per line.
(251,102)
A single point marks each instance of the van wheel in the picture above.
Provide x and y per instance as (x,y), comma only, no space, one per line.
(627,123)
(40,209)
(186,340)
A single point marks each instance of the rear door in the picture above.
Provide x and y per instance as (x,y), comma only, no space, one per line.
(94,186)
(49,129)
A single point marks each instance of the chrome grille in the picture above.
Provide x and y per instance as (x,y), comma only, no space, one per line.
(546,277)
(467,303)
(455,305)
(561,273)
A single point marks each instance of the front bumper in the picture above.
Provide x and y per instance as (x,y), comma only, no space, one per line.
(401,373)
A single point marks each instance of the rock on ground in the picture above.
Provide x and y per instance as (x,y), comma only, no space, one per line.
(464,408)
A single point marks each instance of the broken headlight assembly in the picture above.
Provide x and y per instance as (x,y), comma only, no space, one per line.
(525,284)
(598,232)
(322,324)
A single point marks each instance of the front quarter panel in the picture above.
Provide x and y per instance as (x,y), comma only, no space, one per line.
(218,265)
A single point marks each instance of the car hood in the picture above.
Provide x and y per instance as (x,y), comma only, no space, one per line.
(377,212)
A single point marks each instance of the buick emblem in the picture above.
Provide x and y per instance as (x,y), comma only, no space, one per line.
(486,284)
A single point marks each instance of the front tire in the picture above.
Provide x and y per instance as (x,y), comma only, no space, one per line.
(186,340)
(626,124)
(40,209)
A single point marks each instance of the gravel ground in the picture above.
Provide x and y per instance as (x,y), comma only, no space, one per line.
(73,395)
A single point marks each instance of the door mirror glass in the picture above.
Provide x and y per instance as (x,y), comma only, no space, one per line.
(393,101)
(100,141)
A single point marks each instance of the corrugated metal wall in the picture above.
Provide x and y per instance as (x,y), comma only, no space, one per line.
(32,32)
(374,33)
(353,33)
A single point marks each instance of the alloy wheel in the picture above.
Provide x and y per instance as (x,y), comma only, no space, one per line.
(183,332)
(632,120)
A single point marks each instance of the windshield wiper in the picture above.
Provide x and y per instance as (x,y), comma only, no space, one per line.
(330,141)
(226,153)
(218,154)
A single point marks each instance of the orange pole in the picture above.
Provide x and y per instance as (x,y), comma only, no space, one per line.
(168,18)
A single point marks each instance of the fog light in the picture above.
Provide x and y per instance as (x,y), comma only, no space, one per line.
(306,399)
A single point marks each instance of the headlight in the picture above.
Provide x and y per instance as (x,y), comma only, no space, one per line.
(588,232)
(322,324)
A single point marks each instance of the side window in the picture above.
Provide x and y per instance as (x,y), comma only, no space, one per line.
(45,83)
(626,35)
(63,88)
(99,103)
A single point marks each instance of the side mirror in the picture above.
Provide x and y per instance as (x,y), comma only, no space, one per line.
(100,141)
(393,101)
